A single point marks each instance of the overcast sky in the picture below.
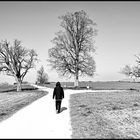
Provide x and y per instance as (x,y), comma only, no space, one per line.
(35,24)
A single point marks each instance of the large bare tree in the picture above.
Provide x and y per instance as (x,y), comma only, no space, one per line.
(72,54)
(16,60)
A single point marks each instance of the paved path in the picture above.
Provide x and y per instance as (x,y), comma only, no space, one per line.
(39,119)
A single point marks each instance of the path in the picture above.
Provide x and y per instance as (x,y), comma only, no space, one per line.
(39,119)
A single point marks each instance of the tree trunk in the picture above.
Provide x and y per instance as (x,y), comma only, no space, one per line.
(18,80)
(76,83)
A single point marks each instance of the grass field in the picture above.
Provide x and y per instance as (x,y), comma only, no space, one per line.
(93,115)
(110,85)
(105,115)
(113,115)
(12,101)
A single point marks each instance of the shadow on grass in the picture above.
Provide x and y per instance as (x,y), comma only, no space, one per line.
(62,109)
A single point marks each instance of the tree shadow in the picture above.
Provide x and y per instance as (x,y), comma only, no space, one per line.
(62,109)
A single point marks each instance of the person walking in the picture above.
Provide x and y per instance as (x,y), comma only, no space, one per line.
(58,94)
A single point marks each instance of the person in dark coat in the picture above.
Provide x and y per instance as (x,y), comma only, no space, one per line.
(58,94)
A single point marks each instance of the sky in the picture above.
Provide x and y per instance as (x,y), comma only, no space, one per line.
(36,22)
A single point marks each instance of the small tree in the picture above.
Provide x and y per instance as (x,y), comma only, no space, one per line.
(16,60)
(133,71)
(72,54)
(136,71)
(42,77)
(127,70)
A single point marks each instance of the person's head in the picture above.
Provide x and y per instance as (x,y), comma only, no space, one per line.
(58,84)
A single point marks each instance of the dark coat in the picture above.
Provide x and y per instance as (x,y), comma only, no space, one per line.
(58,92)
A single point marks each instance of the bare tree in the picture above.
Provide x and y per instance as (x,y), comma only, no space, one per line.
(136,69)
(138,59)
(133,71)
(42,76)
(16,60)
(72,54)
(127,70)
(136,72)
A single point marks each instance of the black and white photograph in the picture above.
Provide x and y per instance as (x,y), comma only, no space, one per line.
(69,69)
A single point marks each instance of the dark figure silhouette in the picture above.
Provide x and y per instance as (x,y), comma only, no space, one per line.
(58,94)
